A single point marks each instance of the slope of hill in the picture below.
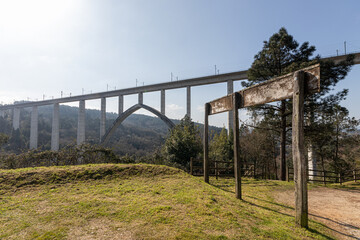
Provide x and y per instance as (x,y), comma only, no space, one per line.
(140,202)
(139,134)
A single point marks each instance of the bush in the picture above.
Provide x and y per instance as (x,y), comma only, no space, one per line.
(70,155)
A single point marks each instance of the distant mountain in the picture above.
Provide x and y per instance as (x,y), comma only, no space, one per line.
(137,135)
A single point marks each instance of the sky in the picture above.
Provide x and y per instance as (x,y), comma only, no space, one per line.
(86,46)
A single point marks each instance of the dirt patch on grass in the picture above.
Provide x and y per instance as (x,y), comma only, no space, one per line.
(339,209)
(99,229)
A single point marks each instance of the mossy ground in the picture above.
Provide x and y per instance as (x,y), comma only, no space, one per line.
(141,202)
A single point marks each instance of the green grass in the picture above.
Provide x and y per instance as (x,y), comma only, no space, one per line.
(141,202)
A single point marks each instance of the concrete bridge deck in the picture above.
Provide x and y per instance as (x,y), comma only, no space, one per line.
(229,78)
(212,79)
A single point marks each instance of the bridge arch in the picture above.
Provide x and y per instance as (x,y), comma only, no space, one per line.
(105,139)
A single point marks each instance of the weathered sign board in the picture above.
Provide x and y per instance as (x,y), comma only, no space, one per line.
(276,89)
(293,85)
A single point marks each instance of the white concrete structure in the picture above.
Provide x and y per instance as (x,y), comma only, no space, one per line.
(230,90)
(81,123)
(55,127)
(140,98)
(162,101)
(311,162)
(16,118)
(121,104)
(34,128)
(102,117)
(188,101)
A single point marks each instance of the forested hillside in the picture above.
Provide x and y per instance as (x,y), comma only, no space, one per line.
(138,135)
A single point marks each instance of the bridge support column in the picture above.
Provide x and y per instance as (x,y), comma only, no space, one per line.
(121,104)
(162,98)
(311,162)
(102,118)
(230,89)
(55,128)
(16,118)
(34,128)
(81,123)
(188,101)
(141,99)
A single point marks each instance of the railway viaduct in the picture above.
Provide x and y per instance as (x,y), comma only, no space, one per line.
(105,134)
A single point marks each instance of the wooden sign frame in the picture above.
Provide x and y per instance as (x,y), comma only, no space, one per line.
(294,85)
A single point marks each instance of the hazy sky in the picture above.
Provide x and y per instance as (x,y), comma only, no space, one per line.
(51,46)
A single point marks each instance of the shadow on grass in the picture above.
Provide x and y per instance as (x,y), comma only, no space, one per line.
(338,223)
(288,215)
(311,230)
(274,203)
(266,208)
(224,186)
(334,230)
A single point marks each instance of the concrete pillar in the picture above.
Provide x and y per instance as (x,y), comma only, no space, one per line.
(311,162)
(55,128)
(141,98)
(230,89)
(81,123)
(162,105)
(2,113)
(121,104)
(34,128)
(102,117)
(16,118)
(188,101)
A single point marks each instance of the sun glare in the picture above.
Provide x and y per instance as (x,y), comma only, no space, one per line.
(22,18)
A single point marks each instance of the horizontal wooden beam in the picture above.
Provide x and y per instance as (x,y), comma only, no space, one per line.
(275,89)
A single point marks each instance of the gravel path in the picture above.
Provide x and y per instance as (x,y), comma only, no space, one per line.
(338,209)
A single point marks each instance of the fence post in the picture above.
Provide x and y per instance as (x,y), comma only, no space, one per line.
(287,173)
(216,170)
(191,166)
(354,175)
(254,171)
(339,176)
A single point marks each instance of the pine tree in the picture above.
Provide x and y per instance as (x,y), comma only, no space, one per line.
(221,147)
(281,55)
(183,142)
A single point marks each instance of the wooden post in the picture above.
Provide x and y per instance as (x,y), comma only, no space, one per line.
(206,143)
(191,166)
(354,175)
(237,161)
(298,151)
(287,173)
(339,176)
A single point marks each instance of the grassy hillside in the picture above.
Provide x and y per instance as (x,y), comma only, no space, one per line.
(140,202)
